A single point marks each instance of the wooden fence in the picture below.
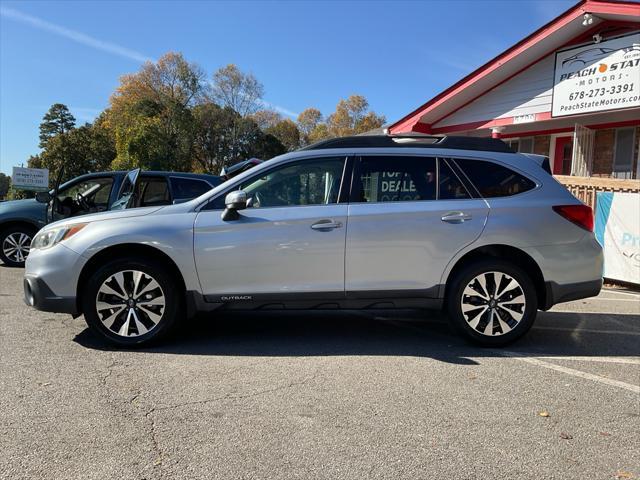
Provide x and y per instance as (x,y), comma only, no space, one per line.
(585,188)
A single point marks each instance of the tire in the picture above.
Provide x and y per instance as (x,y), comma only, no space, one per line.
(514,309)
(15,243)
(142,312)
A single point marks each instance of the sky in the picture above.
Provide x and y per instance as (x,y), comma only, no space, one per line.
(307,54)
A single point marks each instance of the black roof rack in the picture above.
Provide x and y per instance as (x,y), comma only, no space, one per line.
(414,141)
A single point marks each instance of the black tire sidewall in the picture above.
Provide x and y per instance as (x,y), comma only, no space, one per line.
(154,269)
(4,233)
(465,276)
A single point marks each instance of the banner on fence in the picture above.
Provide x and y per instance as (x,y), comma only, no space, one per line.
(618,231)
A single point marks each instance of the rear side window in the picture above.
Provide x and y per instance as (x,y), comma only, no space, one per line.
(395,179)
(451,188)
(188,188)
(154,192)
(493,180)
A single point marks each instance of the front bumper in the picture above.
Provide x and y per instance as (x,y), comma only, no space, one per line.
(37,294)
(51,279)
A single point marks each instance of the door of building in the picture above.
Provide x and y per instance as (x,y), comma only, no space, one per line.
(563,156)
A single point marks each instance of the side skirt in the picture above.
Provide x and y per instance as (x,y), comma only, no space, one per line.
(394,299)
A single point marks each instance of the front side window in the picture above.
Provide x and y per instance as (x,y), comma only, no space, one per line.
(90,195)
(312,182)
(395,179)
(493,180)
(308,182)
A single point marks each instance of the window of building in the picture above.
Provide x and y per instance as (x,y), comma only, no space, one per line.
(493,180)
(521,145)
(623,153)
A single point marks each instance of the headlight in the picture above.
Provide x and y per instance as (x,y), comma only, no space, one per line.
(48,238)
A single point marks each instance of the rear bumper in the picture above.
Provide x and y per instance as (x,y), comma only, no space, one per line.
(556,293)
(37,294)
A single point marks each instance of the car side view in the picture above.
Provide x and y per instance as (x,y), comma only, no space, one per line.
(89,193)
(382,221)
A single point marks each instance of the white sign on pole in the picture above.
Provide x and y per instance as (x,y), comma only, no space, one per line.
(30,178)
(597,77)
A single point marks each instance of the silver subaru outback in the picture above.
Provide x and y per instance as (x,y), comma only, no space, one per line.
(364,222)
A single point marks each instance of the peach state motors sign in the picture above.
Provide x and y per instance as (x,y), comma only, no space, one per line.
(597,77)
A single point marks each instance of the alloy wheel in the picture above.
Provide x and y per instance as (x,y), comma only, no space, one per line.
(16,246)
(493,303)
(130,303)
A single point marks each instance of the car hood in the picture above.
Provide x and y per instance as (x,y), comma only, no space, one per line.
(104,216)
(16,205)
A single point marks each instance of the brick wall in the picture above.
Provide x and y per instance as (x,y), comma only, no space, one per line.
(603,152)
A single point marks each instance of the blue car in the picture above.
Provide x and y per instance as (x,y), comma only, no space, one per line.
(92,193)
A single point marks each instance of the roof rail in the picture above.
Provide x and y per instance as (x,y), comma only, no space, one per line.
(414,141)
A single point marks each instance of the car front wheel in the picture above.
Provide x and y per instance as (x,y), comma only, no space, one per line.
(15,243)
(492,302)
(131,302)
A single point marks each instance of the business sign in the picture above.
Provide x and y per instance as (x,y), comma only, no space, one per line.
(618,231)
(36,179)
(597,77)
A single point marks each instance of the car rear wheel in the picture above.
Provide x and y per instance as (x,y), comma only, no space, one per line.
(15,243)
(131,302)
(492,302)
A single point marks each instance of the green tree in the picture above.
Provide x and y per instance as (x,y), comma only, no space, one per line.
(58,120)
(151,114)
(286,131)
(222,137)
(5,185)
(88,148)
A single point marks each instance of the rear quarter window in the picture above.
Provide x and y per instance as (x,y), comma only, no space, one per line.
(493,180)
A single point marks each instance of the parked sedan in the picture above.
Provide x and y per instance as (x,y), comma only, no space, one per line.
(92,193)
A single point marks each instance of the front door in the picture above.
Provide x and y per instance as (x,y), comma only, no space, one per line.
(563,156)
(408,217)
(290,240)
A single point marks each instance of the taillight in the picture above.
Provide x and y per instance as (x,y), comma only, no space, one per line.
(581,215)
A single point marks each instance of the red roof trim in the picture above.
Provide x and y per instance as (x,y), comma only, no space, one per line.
(409,122)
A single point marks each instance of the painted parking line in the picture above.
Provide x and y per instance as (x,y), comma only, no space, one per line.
(616,292)
(570,371)
(620,360)
(588,330)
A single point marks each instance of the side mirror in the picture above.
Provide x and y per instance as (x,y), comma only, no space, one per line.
(43,197)
(234,201)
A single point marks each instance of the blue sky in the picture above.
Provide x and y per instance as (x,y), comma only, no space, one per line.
(397,54)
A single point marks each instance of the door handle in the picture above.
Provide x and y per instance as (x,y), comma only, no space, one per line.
(326,225)
(456,217)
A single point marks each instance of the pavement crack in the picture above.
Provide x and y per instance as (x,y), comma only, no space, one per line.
(105,377)
(230,396)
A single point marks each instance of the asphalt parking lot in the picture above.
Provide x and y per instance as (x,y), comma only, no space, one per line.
(388,395)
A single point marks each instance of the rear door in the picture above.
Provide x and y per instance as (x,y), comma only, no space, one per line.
(408,217)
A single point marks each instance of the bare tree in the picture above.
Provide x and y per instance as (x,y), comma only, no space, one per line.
(237,90)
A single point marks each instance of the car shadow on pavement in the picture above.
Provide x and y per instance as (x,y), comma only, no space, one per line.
(389,333)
